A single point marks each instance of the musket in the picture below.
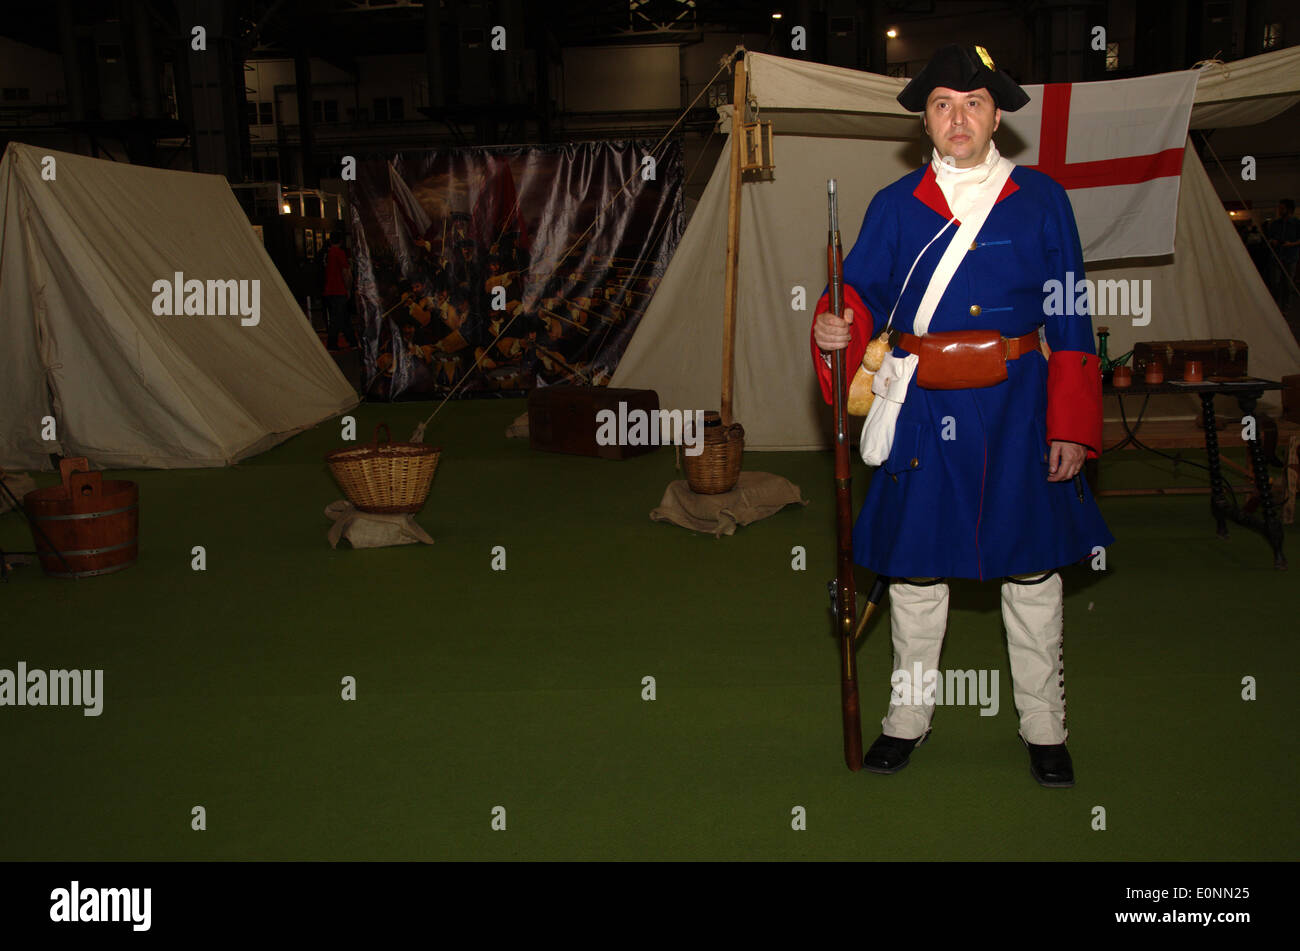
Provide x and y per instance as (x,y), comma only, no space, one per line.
(844,607)
(587,310)
(552,355)
(573,323)
(629,290)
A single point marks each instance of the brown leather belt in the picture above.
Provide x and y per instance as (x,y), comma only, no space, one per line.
(1012,347)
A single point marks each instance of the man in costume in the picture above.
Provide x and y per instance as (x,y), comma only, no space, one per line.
(978,480)
(419,303)
(464,268)
(1283,233)
(456,315)
(338,284)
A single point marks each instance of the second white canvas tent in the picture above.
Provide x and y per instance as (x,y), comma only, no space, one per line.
(845,124)
(84,241)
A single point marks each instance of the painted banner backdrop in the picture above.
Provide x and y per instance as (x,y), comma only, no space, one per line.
(510,267)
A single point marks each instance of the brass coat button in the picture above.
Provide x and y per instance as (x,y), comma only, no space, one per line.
(974,245)
(974,310)
(914,463)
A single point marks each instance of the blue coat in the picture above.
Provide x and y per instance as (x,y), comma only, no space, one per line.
(964,492)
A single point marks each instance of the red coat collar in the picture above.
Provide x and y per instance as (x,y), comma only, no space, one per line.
(930,195)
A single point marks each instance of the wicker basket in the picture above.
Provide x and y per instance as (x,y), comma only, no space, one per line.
(386,477)
(717,468)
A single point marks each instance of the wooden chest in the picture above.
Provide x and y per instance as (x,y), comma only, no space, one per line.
(1291,397)
(593,421)
(1224,359)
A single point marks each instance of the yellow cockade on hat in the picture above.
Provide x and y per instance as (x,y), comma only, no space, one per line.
(984,55)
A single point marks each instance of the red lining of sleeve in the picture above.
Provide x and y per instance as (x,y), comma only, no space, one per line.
(856,348)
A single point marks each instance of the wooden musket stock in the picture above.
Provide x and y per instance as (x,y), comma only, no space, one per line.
(843,595)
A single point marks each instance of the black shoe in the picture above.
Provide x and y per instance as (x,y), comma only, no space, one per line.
(1050,765)
(889,754)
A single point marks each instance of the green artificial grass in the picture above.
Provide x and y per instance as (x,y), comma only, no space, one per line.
(522,688)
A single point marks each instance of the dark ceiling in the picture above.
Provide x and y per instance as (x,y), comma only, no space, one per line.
(358,27)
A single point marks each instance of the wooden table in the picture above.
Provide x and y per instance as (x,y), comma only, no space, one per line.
(1247,393)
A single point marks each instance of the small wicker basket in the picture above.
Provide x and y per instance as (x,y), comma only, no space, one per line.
(717,468)
(387,477)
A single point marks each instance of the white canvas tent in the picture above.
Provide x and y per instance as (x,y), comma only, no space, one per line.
(845,124)
(79,341)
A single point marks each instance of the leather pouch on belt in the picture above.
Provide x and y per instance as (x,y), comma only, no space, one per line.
(960,360)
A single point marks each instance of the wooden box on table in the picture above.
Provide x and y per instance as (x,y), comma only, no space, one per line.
(1220,359)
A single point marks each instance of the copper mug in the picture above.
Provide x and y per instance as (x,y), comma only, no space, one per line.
(1155,373)
(1193,371)
(1121,378)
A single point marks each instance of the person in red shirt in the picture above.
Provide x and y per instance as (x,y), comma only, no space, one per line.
(338,283)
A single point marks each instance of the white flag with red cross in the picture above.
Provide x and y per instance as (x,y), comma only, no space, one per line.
(1117,149)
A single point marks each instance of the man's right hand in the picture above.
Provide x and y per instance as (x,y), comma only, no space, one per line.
(831,332)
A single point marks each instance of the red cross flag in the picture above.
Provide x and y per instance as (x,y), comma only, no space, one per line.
(1117,149)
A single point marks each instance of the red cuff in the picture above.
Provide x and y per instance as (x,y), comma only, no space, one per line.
(861,330)
(1074,399)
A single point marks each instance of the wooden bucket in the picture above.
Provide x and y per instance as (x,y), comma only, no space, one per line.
(92,521)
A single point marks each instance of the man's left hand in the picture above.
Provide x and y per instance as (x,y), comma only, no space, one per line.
(1066,460)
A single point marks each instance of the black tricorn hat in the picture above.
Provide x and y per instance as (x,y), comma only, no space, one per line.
(962,68)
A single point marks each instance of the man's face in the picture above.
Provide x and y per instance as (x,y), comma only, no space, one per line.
(961,124)
(1282,211)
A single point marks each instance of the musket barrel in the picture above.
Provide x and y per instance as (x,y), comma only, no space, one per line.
(843,587)
(833,263)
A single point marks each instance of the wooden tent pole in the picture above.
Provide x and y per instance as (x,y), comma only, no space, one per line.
(733,241)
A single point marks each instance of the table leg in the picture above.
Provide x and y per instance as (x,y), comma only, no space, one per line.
(1292,468)
(1130,431)
(1272,523)
(1218,498)
(1123,418)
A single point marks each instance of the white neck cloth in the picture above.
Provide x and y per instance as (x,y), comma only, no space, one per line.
(961,187)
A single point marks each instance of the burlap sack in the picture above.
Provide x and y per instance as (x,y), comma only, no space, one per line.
(519,428)
(756,495)
(365,530)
